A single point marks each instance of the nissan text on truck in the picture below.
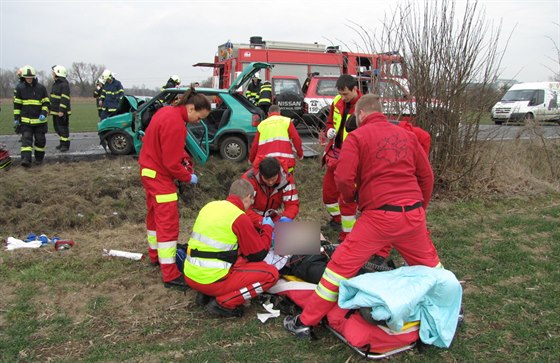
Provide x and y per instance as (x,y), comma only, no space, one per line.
(528,101)
(295,63)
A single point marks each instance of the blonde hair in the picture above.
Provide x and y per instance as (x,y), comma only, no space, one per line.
(369,103)
(242,188)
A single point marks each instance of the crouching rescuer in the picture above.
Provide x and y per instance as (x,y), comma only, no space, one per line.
(162,161)
(225,254)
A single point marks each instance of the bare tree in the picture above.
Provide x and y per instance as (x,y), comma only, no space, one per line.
(8,81)
(556,60)
(83,76)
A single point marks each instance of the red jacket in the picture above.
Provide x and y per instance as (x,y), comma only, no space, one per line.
(423,136)
(282,194)
(340,106)
(385,164)
(252,246)
(163,148)
(259,152)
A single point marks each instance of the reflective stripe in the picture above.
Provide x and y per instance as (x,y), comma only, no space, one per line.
(348,223)
(64,138)
(258,287)
(166,198)
(39,148)
(332,277)
(246,294)
(272,139)
(213,243)
(26,148)
(407,328)
(289,187)
(152,240)
(292,197)
(282,155)
(209,263)
(166,260)
(325,293)
(333,209)
(148,173)
(171,244)
(31,102)
(55,96)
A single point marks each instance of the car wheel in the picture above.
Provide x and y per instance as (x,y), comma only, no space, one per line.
(498,122)
(233,148)
(119,143)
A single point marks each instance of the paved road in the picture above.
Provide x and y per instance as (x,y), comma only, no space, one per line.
(85,145)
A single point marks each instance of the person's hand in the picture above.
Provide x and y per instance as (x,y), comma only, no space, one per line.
(42,118)
(331,133)
(60,114)
(17,125)
(194,179)
(285,219)
(268,221)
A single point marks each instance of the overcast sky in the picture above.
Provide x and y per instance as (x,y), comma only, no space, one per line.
(144,42)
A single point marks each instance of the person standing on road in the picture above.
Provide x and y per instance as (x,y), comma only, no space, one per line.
(274,189)
(111,94)
(225,254)
(31,107)
(340,122)
(265,97)
(162,161)
(275,137)
(60,106)
(97,93)
(386,166)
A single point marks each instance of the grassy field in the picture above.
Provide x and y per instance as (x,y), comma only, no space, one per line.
(77,305)
(83,119)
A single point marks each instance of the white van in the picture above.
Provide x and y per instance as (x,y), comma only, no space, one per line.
(528,101)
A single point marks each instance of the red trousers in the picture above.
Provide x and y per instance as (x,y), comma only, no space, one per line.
(162,219)
(374,230)
(331,196)
(244,281)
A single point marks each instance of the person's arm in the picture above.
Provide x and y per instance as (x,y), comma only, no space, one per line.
(252,246)
(17,104)
(424,173)
(296,140)
(347,169)
(45,102)
(290,199)
(254,147)
(64,99)
(172,139)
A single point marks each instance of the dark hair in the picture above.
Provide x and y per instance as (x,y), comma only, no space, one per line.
(200,102)
(269,167)
(346,81)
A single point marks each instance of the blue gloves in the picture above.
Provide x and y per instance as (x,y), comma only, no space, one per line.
(285,219)
(268,221)
(17,125)
(42,118)
(194,179)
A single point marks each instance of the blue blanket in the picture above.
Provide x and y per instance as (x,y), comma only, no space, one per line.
(430,295)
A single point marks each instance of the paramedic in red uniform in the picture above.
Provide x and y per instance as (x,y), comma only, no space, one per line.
(274,189)
(162,161)
(340,122)
(225,254)
(386,167)
(275,137)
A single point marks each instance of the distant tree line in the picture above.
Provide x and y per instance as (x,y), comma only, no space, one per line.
(82,77)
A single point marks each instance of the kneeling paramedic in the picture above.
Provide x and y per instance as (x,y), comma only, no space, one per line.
(225,254)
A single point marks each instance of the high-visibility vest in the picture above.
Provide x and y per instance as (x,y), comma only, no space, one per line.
(212,232)
(274,139)
(337,117)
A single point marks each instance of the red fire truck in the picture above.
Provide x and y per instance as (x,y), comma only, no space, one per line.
(294,63)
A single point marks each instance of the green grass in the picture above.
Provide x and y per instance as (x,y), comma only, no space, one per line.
(77,305)
(83,119)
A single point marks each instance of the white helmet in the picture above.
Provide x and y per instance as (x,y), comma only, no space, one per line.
(175,78)
(28,72)
(107,74)
(100,80)
(59,71)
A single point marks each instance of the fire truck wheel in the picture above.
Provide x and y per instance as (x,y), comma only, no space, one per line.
(233,148)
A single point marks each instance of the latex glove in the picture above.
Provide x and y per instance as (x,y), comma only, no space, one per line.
(16,125)
(42,118)
(285,219)
(194,179)
(268,221)
(331,133)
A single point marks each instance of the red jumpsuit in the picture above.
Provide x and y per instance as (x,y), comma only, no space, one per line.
(276,142)
(423,136)
(340,211)
(394,190)
(161,163)
(249,276)
(283,194)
